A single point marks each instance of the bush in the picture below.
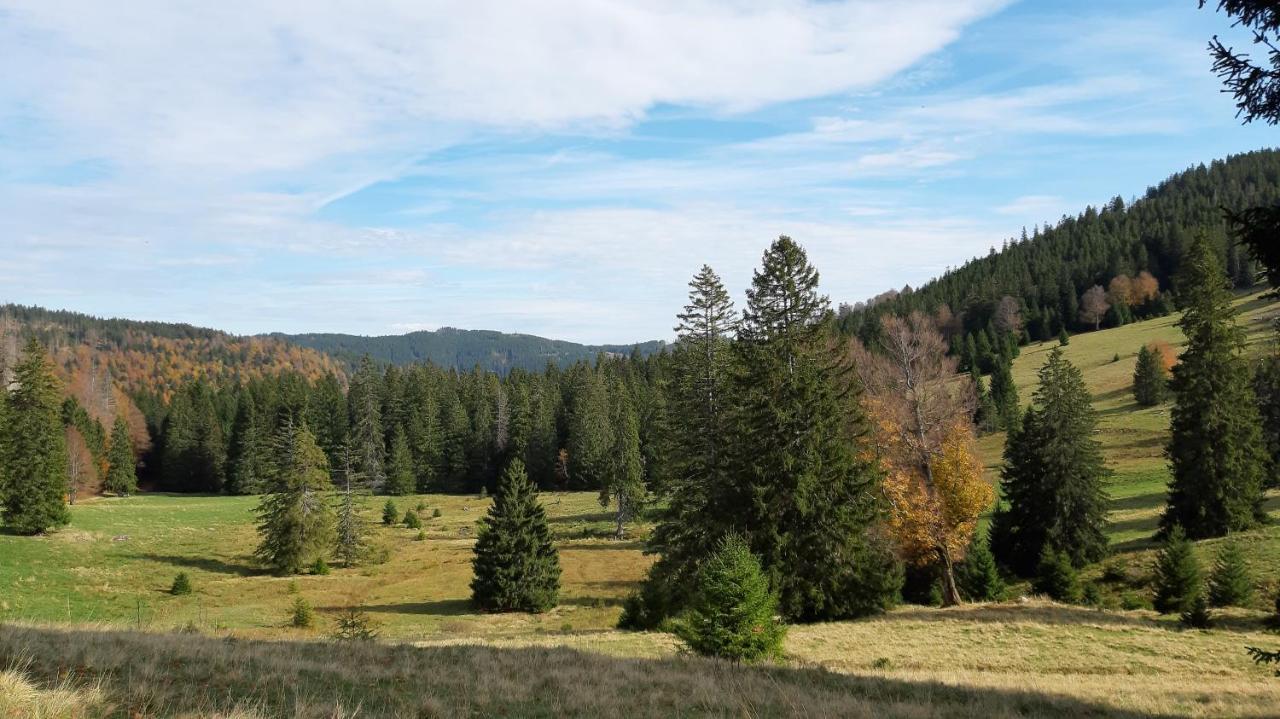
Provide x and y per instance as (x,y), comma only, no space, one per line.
(732,612)
(320,568)
(422,507)
(1197,615)
(389,513)
(421,536)
(1230,584)
(1132,600)
(1177,575)
(354,626)
(411,520)
(181,585)
(1056,577)
(435,513)
(301,616)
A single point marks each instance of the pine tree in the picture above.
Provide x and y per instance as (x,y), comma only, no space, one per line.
(34,448)
(1216,454)
(1004,393)
(1052,481)
(1056,577)
(352,533)
(624,483)
(400,479)
(247,454)
(1230,583)
(1177,574)
(516,566)
(803,486)
(295,520)
(122,476)
(978,576)
(1150,385)
(731,613)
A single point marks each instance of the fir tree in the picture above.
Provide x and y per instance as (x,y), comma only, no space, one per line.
(352,534)
(1266,386)
(122,476)
(977,574)
(589,440)
(803,486)
(516,565)
(365,403)
(1150,385)
(1215,449)
(1056,577)
(1230,582)
(295,520)
(624,484)
(411,520)
(1177,574)
(34,449)
(181,585)
(389,513)
(247,454)
(1063,338)
(1052,480)
(400,479)
(1197,615)
(731,613)
(1004,394)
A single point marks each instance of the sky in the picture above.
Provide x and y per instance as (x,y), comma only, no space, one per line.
(563,167)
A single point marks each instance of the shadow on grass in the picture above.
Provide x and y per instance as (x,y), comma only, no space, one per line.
(1035,612)
(1141,501)
(189,675)
(598,542)
(441,607)
(1137,524)
(207,564)
(583,518)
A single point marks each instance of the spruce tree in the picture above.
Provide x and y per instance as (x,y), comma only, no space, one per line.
(247,454)
(732,612)
(1056,577)
(122,476)
(624,483)
(352,532)
(1004,393)
(803,488)
(1052,480)
(1178,581)
(295,520)
(34,448)
(977,575)
(1216,453)
(1150,385)
(389,513)
(1266,386)
(516,566)
(364,401)
(400,479)
(1230,582)
(590,439)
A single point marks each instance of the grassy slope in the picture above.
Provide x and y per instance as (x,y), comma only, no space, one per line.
(113,565)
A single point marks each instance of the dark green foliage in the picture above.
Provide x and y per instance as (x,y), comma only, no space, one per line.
(193,453)
(1063,339)
(364,402)
(248,454)
(295,522)
(1056,577)
(320,567)
(1092,595)
(354,625)
(122,476)
(624,483)
(1230,582)
(1266,387)
(1150,381)
(1004,394)
(301,616)
(181,585)
(731,613)
(389,513)
(977,575)
(1216,454)
(1263,656)
(435,513)
(1052,481)
(411,520)
(1178,582)
(400,478)
(1197,615)
(516,565)
(352,542)
(33,448)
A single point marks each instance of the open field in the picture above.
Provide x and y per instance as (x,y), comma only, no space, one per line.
(73,602)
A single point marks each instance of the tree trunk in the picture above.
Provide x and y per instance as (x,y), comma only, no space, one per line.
(950,593)
(619,531)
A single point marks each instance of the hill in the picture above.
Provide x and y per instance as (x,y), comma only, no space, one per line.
(463,349)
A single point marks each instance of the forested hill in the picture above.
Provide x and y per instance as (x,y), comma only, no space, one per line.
(463,349)
(1047,273)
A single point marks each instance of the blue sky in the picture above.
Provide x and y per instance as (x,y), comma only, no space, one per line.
(562,168)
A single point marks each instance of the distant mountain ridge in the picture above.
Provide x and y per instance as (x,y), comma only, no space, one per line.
(495,351)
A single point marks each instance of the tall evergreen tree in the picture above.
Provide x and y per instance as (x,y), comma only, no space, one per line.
(516,565)
(624,482)
(122,475)
(364,400)
(295,520)
(400,479)
(193,455)
(589,438)
(1004,393)
(1150,384)
(34,448)
(352,531)
(1052,481)
(804,491)
(1216,454)
(247,456)
(1266,386)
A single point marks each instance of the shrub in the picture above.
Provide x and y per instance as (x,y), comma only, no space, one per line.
(435,513)
(732,612)
(422,507)
(1133,600)
(1197,615)
(1056,577)
(320,568)
(1230,584)
(354,625)
(1177,575)
(301,616)
(181,585)
(411,520)
(420,537)
(389,513)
